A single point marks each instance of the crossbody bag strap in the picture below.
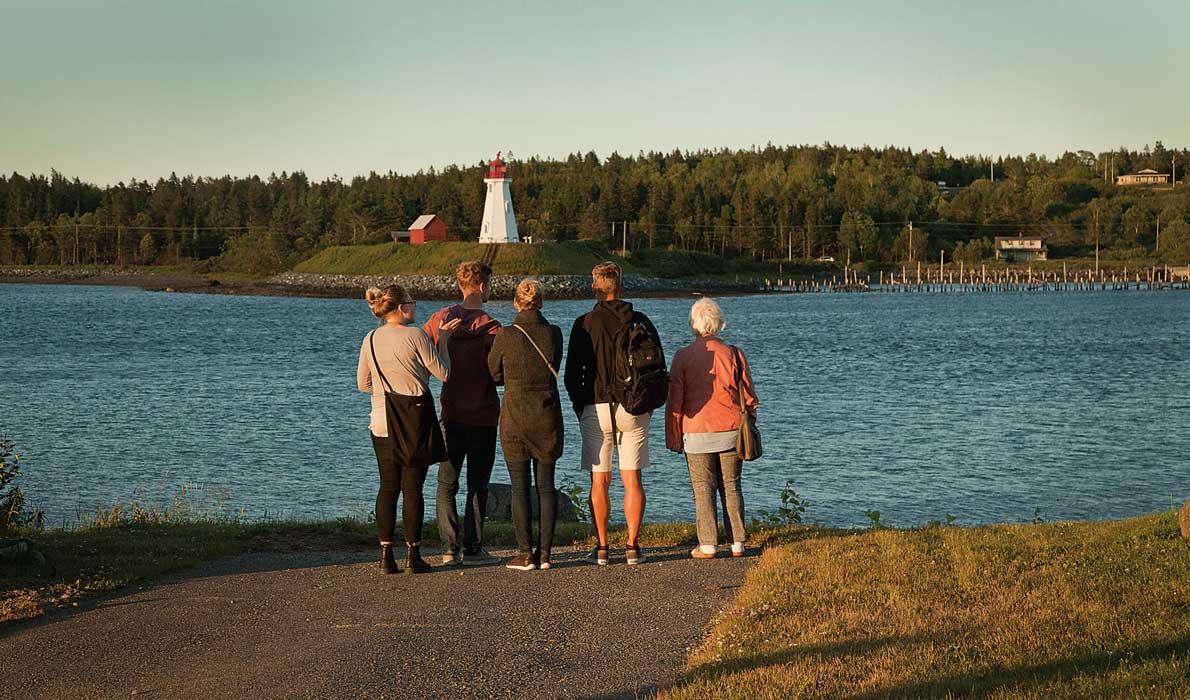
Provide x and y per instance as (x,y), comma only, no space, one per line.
(372,345)
(538,349)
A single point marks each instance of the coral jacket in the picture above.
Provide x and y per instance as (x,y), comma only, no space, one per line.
(703,396)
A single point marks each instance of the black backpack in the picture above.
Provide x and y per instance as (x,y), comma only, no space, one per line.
(641,382)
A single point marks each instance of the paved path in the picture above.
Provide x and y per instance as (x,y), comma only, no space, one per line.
(327,625)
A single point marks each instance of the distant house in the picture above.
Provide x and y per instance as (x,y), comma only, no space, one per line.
(1144,177)
(428,227)
(948,191)
(1021,249)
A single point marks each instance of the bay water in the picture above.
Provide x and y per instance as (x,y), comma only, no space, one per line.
(984,407)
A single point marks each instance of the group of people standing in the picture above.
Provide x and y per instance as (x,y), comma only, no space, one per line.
(615,377)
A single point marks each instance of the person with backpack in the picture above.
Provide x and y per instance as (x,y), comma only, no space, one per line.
(470,412)
(615,378)
(525,360)
(710,397)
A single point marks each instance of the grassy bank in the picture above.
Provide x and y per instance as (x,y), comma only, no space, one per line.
(565,258)
(1060,610)
(1063,610)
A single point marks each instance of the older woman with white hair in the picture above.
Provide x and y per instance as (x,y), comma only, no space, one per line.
(702,419)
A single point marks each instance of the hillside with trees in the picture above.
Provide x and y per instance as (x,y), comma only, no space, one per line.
(763,203)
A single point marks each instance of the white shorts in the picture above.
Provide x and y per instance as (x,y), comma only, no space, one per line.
(595,425)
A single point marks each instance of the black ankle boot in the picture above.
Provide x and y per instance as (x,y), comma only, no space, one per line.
(414,564)
(388,563)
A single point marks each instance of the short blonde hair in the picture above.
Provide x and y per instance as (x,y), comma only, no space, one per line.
(528,294)
(471,274)
(706,318)
(606,277)
(385,301)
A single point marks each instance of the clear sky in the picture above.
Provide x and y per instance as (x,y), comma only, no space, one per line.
(109,90)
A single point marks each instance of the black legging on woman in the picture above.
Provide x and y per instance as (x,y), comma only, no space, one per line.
(396,481)
(522,509)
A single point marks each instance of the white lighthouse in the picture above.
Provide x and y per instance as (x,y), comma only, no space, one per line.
(499,221)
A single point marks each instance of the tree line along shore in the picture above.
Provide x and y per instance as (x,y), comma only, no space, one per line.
(757,208)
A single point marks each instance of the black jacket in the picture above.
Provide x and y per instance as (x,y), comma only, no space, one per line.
(590,355)
(531,413)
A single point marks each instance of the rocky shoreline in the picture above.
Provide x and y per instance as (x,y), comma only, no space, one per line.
(331,285)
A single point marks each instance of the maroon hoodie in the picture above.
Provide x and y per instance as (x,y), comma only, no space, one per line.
(469,395)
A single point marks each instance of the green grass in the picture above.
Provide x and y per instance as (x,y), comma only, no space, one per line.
(1063,610)
(565,258)
(441,258)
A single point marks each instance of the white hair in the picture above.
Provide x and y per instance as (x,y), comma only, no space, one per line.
(706,318)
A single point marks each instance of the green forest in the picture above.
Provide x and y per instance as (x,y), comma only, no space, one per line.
(765,203)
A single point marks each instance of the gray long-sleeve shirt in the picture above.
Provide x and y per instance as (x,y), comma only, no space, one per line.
(407,358)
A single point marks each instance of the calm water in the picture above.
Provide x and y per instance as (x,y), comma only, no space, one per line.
(981,406)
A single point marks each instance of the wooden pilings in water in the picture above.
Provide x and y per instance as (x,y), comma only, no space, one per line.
(937,279)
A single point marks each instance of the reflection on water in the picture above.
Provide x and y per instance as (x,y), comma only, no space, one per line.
(981,406)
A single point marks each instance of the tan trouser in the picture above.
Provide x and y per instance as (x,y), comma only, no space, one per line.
(599,440)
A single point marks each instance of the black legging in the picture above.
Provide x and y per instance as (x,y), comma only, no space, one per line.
(522,510)
(395,481)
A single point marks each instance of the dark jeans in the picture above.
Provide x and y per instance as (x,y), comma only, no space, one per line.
(522,506)
(394,481)
(476,445)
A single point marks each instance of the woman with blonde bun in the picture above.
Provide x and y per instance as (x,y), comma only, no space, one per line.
(525,359)
(395,364)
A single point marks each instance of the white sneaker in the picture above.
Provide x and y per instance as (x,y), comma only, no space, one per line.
(452,558)
(737,549)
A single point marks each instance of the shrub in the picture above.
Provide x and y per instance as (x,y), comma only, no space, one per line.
(257,253)
(790,512)
(14,511)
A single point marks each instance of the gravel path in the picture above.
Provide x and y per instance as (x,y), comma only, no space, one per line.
(327,625)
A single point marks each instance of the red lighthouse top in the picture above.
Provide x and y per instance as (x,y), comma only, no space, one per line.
(497,168)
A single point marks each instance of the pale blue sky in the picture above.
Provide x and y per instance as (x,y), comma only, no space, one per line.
(109,90)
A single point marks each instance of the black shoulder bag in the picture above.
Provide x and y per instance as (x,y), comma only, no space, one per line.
(412,423)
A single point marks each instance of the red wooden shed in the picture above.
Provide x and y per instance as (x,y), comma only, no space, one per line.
(428,227)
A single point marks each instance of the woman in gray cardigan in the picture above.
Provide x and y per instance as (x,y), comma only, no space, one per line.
(525,359)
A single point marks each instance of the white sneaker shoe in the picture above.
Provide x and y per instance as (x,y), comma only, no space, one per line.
(737,549)
(452,558)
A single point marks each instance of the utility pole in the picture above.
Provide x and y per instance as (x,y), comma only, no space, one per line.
(910,241)
(624,230)
(1158,251)
(993,164)
(1097,239)
(790,255)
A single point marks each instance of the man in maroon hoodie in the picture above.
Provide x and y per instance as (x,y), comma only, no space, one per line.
(470,411)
